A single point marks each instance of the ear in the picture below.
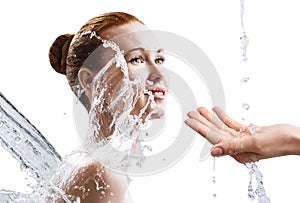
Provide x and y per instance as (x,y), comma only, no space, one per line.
(85,77)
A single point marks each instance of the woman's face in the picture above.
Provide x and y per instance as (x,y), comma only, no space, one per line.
(145,60)
(148,64)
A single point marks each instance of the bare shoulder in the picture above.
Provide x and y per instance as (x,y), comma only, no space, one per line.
(81,177)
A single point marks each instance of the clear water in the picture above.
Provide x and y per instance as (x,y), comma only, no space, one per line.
(35,154)
(245,79)
(251,166)
(260,191)
(123,148)
(214,179)
(120,150)
(39,159)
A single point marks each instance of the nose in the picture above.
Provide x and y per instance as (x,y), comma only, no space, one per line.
(155,75)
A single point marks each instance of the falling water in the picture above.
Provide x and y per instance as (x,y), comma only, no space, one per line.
(214,177)
(244,39)
(25,143)
(252,167)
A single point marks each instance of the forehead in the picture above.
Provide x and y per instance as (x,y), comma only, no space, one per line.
(131,36)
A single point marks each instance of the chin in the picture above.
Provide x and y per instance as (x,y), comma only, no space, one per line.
(159,114)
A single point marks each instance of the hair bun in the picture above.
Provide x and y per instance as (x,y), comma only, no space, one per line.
(58,52)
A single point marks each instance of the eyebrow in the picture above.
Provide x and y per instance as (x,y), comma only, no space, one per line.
(142,49)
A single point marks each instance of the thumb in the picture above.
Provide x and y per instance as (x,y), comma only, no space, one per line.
(233,146)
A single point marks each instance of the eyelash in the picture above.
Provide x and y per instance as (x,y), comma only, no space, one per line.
(134,59)
(160,58)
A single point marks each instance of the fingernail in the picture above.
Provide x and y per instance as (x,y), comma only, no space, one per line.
(218,152)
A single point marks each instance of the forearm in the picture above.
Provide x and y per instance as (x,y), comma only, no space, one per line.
(293,141)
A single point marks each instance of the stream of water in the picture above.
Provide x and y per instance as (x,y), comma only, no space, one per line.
(29,147)
(251,166)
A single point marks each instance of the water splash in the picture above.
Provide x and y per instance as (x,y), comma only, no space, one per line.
(260,191)
(40,160)
(66,179)
(114,131)
(253,170)
(113,139)
(12,196)
(29,147)
(26,143)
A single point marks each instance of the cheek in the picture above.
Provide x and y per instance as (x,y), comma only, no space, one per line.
(137,72)
(141,102)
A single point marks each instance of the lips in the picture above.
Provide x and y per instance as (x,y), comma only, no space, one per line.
(158,93)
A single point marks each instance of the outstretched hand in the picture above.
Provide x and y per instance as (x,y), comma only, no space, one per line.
(243,143)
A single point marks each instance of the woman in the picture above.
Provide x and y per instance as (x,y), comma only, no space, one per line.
(244,143)
(114,70)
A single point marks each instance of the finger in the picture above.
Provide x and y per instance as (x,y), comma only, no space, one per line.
(197,116)
(217,151)
(210,117)
(200,118)
(228,121)
(240,157)
(217,122)
(207,132)
(235,146)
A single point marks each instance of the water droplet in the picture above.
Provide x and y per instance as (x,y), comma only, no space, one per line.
(250,191)
(214,180)
(252,128)
(118,64)
(105,44)
(149,82)
(17,139)
(153,104)
(245,79)
(147,147)
(245,106)
(244,41)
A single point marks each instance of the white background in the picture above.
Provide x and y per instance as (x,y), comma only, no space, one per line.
(28,28)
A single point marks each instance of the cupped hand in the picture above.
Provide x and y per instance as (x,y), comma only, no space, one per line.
(243,143)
